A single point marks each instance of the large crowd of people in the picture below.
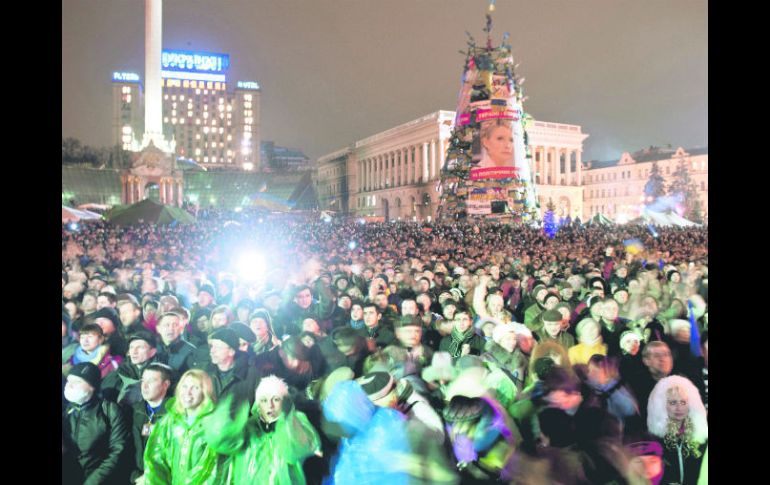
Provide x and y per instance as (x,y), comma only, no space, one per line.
(289,349)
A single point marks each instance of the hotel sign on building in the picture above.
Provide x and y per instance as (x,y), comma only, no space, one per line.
(215,125)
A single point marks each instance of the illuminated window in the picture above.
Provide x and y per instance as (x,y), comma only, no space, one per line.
(247,136)
(229,137)
(197,151)
(173,98)
(205,91)
(189,113)
(229,107)
(205,114)
(181,120)
(206,159)
(197,121)
(247,104)
(221,130)
(173,121)
(181,97)
(197,91)
(205,129)
(221,107)
(247,97)
(165,120)
(165,96)
(173,112)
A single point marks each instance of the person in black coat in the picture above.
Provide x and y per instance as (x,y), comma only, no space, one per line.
(95,434)
(174,349)
(230,370)
(156,383)
(123,385)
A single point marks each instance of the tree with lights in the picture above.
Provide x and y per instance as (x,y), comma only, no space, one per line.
(549,220)
(683,187)
(655,186)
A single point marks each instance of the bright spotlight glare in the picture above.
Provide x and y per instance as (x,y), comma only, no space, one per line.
(251,266)
(73,226)
(352,245)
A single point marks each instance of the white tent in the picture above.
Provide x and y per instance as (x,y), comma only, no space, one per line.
(663,219)
(68,214)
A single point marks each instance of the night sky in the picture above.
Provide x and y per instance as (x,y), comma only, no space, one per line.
(632,73)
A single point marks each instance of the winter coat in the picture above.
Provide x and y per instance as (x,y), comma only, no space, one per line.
(178,355)
(259,452)
(678,469)
(140,416)
(106,364)
(96,434)
(124,385)
(564,339)
(382,336)
(476,343)
(515,364)
(240,381)
(581,353)
(177,453)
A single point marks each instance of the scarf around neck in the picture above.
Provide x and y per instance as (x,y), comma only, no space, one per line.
(94,357)
(455,347)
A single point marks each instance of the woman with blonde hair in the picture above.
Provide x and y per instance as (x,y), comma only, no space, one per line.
(177,452)
(497,140)
(676,415)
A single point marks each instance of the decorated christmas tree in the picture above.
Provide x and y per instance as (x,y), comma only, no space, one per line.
(487,171)
(655,186)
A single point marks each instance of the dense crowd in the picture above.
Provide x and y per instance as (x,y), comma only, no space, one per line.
(260,348)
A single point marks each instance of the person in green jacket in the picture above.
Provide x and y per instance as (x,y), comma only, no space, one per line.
(268,447)
(177,452)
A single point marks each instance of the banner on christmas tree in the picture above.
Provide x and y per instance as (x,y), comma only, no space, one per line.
(487,172)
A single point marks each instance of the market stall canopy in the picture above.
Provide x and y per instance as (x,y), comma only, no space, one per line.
(68,214)
(600,219)
(149,211)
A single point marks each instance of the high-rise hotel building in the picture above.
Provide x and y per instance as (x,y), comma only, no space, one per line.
(211,121)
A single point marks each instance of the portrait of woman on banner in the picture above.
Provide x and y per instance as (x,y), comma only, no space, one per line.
(496,140)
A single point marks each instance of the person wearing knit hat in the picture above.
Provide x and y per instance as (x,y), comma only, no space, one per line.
(275,425)
(109,320)
(88,424)
(87,372)
(590,342)
(229,369)
(380,387)
(246,337)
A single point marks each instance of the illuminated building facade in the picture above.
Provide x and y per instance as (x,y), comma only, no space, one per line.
(213,122)
(395,174)
(615,188)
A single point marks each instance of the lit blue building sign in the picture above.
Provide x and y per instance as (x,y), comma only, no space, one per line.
(247,85)
(125,77)
(205,62)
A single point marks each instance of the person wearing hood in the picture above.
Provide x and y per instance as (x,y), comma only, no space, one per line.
(377,433)
(590,342)
(177,452)
(425,428)
(677,418)
(270,445)
(260,324)
(95,434)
